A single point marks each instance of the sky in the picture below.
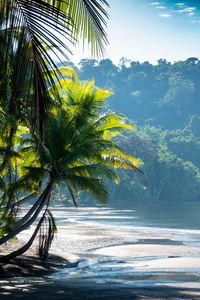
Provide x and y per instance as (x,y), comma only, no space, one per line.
(145,30)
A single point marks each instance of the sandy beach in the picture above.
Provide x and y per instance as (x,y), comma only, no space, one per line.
(76,291)
(98,260)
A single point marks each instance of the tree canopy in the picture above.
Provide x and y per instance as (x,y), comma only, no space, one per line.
(163,101)
(78,150)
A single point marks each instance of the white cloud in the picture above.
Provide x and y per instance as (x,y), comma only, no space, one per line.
(155,3)
(187,10)
(161,7)
(191,14)
(180,4)
(190,9)
(136,93)
(165,15)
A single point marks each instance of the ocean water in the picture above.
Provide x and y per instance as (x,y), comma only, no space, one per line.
(145,246)
(130,246)
(173,214)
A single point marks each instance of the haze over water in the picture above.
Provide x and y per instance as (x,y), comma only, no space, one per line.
(118,246)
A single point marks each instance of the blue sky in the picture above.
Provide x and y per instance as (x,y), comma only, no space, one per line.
(148,30)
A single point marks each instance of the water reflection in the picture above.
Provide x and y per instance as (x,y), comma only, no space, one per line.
(173,214)
(114,246)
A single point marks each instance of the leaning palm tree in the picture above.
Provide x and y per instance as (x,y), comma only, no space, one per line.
(78,150)
(30,32)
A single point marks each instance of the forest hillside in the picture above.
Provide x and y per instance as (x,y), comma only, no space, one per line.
(163,100)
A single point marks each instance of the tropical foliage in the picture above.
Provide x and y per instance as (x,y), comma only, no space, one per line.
(163,94)
(171,168)
(51,130)
(163,100)
(78,150)
(31,32)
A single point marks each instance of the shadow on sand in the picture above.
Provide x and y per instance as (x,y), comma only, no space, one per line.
(49,289)
(33,266)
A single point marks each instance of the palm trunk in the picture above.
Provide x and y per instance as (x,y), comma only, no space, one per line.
(18,203)
(42,200)
(21,201)
(7,152)
(34,207)
(5,259)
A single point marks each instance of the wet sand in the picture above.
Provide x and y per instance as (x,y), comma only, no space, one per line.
(113,262)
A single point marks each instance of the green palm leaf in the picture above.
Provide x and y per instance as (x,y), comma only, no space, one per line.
(32,31)
(92,185)
(89,19)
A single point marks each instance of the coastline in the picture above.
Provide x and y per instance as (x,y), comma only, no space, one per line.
(108,263)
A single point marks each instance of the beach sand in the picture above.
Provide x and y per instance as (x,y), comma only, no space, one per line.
(108,263)
(69,290)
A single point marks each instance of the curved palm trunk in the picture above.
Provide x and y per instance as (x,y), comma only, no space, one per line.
(42,200)
(5,259)
(7,152)
(34,207)
(18,203)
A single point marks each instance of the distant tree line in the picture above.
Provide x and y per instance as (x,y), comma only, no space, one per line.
(164,101)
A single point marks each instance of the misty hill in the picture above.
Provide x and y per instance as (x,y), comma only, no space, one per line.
(165,94)
(163,100)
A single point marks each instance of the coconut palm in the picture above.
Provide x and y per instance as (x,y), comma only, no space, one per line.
(31,31)
(84,153)
(78,150)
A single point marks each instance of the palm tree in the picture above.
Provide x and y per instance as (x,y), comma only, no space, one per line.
(78,150)
(31,31)
(84,154)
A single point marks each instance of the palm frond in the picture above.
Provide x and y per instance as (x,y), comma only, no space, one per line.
(34,30)
(72,195)
(89,19)
(95,170)
(30,29)
(118,156)
(2,116)
(92,185)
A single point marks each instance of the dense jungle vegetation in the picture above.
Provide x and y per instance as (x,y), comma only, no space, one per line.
(163,100)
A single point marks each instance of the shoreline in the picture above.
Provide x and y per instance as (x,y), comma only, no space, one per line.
(108,263)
